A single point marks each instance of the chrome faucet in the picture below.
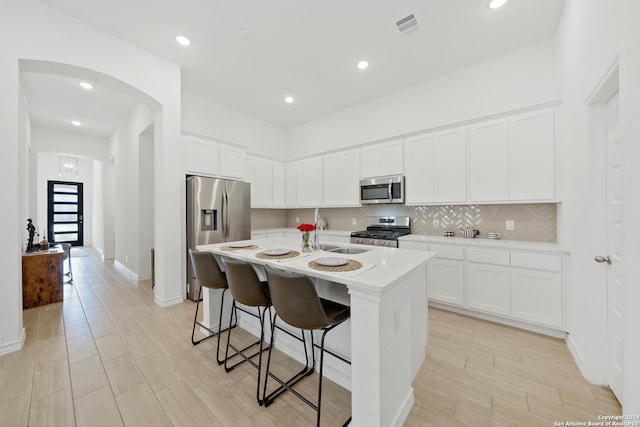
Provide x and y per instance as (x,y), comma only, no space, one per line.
(316,240)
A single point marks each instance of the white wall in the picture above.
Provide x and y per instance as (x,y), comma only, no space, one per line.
(48,169)
(519,79)
(125,144)
(97,206)
(57,141)
(203,117)
(590,36)
(146,217)
(40,33)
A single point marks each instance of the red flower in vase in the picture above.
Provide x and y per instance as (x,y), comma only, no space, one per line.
(305,228)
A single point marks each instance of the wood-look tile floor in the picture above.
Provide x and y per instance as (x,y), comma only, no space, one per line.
(108,356)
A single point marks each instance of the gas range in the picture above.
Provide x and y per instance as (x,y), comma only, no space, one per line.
(382,231)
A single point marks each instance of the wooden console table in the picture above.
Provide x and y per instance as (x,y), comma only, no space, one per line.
(42,277)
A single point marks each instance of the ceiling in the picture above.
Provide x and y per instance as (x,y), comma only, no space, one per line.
(249,54)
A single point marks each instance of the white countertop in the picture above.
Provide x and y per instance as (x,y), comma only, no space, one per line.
(489,243)
(477,242)
(383,268)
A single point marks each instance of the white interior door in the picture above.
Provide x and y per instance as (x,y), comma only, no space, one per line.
(615,283)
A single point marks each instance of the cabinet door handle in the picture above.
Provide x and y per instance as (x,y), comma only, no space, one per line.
(603,259)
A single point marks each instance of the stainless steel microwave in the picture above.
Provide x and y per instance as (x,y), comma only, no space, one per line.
(384,189)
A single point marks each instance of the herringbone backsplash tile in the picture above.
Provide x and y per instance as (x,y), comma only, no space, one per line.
(533,222)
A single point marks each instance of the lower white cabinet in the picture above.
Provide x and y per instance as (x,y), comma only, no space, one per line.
(446,281)
(489,288)
(536,296)
(520,287)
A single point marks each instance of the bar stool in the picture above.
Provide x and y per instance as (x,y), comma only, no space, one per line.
(297,303)
(247,289)
(208,273)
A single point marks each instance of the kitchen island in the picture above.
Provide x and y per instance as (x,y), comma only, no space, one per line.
(388,325)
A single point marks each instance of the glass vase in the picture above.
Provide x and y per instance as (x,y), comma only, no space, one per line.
(305,242)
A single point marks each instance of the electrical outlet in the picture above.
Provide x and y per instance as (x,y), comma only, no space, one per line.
(436,223)
(297,220)
(126,259)
(511,225)
(353,221)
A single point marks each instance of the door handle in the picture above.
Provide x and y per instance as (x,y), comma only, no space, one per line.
(389,191)
(603,259)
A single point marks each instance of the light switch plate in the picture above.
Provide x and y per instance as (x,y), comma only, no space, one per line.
(511,225)
(353,221)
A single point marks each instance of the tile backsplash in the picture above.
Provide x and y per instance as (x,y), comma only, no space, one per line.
(533,222)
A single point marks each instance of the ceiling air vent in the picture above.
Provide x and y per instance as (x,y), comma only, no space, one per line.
(407,25)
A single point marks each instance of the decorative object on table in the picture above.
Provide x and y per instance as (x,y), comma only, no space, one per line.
(306,229)
(32,231)
(448,233)
(494,236)
(44,243)
(469,233)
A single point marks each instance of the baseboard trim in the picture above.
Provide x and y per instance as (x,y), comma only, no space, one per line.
(15,345)
(144,277)
(168,303)
(405,409)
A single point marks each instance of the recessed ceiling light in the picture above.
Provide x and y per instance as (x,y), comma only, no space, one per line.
(86,85)
(289,99)
(76,123)
(363,65)
(183,40)
(494,4)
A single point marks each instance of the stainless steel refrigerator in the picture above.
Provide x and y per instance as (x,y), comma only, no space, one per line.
(218,210)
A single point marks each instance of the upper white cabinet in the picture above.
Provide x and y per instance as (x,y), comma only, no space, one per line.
(291,185)
(435,167)
(382,159)
(513,159)
(211,158)
(532,156)
(341,179)
(489,161)
(202,157)
(309,182)
(232,162)
(260,175)
(279,195)
(419,170)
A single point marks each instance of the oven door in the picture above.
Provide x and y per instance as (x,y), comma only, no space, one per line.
(386,189)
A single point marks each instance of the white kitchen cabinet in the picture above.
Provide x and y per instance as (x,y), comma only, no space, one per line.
(341,177)
(382,159)
(435,168)
(279,185)
(309,180)
(488,288)
(202,157)
(418,157)
(446,274)
(532,156)
(446,281)
(489,161)
(291,185)
(232,162)
(260,175)
(450,166)
(536,296)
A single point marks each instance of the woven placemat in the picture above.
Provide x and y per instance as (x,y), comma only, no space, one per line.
(290,254)
(350,266)
(244,248)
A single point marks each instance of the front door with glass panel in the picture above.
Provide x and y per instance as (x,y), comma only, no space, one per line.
(65,212)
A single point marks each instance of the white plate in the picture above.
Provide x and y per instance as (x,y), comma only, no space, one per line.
(276,251)
(240,244)
(331,261)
